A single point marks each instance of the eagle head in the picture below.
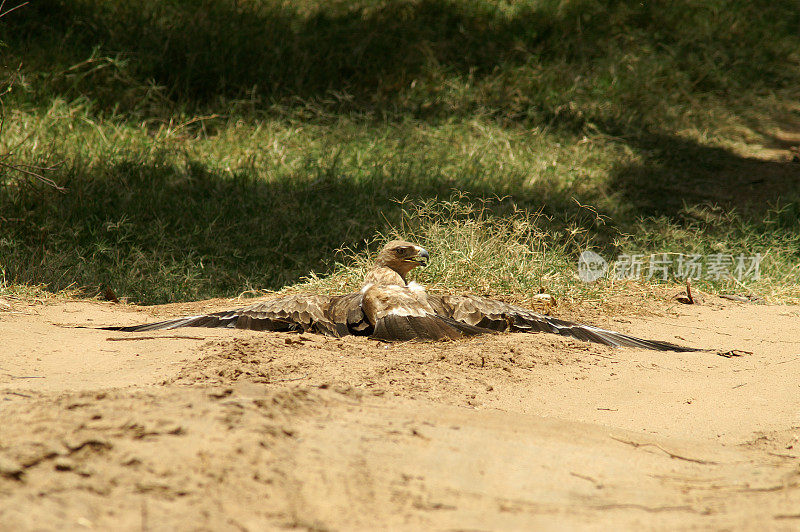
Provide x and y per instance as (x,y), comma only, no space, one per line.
(402,256)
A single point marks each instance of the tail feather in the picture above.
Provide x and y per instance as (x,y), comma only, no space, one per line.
(393,327)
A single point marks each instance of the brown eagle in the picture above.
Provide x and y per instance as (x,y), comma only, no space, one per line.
(391,309)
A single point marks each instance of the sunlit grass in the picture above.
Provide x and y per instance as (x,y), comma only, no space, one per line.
(518,255)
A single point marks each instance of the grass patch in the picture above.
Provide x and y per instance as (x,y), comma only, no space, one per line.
(472,249)
(516,255)
(225,146)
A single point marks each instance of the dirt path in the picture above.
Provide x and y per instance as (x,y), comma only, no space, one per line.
(217,429)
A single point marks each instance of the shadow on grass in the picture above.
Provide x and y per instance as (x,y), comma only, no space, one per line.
(157,233)
(679,172)
(162,232)
(156,56)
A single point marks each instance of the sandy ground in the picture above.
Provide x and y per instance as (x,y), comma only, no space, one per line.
(199,429)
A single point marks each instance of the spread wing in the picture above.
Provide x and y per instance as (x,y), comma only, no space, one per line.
(499,316)
(328,315)
(397,313)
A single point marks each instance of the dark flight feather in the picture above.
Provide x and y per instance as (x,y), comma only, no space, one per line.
(500,316)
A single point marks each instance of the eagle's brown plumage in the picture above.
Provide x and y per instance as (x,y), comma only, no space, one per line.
(389,308)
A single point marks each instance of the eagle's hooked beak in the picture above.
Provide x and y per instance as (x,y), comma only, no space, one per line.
(422,256)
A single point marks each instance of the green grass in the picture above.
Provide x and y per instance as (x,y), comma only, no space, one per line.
(517,255)
(217,147)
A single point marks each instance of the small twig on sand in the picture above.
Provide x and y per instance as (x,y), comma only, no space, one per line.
(783,455)
(24,376)
(733,353)
(597,484)
(775,487)
(17,393)
(128,338)
(287,380)
(671,454)
(645,508)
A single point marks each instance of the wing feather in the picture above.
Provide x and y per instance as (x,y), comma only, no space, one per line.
(500,316)
(295,312)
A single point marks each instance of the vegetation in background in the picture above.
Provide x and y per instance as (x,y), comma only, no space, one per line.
(514,256)
(214,147)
